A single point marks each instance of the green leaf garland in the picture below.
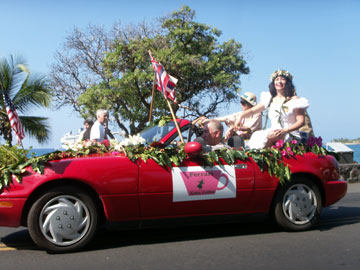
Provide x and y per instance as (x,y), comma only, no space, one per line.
(268,159)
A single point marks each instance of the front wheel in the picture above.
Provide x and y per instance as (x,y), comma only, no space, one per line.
(63,219)
(298,205)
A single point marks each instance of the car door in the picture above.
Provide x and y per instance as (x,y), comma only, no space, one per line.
(192,189)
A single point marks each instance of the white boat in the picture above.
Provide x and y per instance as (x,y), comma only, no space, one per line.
(70,138)
(346,154)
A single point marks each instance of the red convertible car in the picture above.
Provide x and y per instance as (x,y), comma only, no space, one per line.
(64,206)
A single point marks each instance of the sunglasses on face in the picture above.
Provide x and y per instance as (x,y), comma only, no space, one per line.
(244,103)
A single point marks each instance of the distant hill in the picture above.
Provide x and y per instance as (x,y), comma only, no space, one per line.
(345,140)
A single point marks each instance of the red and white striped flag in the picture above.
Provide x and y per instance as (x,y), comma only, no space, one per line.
(13,117)
(165,83)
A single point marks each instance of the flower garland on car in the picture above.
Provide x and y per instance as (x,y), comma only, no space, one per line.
(134,147)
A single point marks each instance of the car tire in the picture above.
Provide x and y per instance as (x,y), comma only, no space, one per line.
(298,205)
(64,219)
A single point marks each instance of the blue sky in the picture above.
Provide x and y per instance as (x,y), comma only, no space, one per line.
(318,41)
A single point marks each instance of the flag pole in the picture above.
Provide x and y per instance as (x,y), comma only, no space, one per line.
(152,98)
(23,149)
(18,139)
(176,123)
(171,110)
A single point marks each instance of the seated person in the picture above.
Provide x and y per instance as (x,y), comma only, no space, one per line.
(212,136)
(248,125)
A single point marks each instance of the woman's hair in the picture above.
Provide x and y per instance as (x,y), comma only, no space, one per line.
(289,88)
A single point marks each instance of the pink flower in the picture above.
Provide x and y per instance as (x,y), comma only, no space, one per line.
(294,141)
(289,150)
(284,153)
(280,143)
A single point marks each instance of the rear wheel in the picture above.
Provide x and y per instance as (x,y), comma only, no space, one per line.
(298,205)
(63,219)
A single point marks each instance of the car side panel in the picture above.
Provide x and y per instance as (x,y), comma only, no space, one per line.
(156,193)
(113,178)
(106,175)
(265,187)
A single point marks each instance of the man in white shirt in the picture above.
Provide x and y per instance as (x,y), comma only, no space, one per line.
(98,129)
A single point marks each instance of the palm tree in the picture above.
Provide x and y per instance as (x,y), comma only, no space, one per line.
(26,91)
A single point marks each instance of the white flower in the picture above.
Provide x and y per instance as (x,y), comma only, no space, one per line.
(281,72)
(76,146)
(118,148)
(80,145)
(132,140)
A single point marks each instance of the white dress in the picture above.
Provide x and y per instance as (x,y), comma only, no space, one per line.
(281,116)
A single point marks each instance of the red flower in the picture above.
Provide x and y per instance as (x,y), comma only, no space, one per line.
(106,143)
(157,144)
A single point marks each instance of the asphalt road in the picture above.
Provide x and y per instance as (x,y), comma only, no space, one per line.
(333,244)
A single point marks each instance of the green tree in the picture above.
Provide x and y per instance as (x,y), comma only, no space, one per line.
(26,91)
(208,71)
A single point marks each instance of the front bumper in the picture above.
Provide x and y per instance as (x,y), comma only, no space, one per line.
(11,211)
(334,191)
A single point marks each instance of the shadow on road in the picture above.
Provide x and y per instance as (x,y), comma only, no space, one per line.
(111,237)
(20,240)
(335,216)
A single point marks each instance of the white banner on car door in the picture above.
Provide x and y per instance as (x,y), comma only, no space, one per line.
(203,183)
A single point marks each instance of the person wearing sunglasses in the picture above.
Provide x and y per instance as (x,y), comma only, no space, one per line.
(239,137)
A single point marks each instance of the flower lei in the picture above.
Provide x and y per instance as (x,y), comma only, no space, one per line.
(280,72)
(134,147)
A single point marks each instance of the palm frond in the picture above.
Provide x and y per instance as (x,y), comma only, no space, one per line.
(26,91)
(35,93)
(36,127)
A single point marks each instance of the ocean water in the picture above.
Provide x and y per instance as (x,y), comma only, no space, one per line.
(356,148)
(40,151)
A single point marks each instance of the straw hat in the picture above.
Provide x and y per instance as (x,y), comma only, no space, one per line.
(249,97)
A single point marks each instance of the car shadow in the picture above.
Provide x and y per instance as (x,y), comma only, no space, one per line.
(335,216)
(331,218)
(19,240)
(110,236)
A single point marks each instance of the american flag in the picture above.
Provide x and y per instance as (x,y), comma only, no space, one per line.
(165,83)
(13,117)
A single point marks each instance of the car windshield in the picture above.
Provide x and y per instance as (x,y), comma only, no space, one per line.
(155,133)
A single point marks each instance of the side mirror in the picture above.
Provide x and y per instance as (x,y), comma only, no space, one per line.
(193,148)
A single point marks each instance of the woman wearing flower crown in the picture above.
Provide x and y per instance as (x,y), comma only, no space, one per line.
(285,110)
